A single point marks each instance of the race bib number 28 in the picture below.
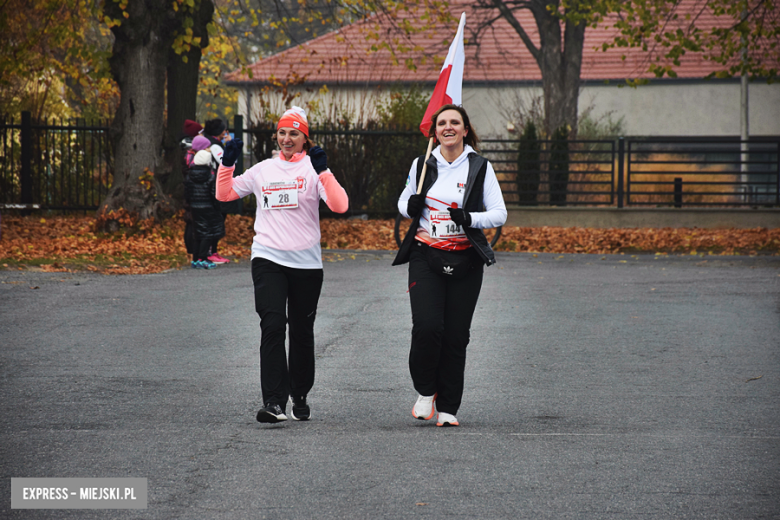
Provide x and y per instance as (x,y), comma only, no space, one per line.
(279,195)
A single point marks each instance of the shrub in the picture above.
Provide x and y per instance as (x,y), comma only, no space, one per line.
(559,166)
(528,167)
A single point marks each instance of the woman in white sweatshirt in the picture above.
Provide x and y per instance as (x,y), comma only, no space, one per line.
(286,256)
(446,251)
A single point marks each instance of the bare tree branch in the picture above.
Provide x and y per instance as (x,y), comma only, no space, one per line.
(509,16)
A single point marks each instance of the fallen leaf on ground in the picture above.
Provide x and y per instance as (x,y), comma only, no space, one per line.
(71,243)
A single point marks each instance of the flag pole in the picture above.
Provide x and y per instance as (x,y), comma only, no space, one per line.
(425,165)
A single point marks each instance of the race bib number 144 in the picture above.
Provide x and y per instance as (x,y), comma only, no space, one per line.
(442,226)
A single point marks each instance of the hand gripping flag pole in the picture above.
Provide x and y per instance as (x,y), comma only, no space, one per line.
(449,89)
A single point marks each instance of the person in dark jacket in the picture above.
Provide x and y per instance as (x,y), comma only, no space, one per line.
(207,219)
(446,251)
(217,133)
(190,131)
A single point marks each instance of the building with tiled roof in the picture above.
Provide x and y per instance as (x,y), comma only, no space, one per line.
(500,75)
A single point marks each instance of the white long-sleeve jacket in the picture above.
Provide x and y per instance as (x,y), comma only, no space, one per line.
(448,191)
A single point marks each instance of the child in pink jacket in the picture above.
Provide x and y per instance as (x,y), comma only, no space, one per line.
(286,256)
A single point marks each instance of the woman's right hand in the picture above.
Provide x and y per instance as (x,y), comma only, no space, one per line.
(415,205)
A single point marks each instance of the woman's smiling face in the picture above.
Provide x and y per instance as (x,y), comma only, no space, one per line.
(291,141)
(450,129)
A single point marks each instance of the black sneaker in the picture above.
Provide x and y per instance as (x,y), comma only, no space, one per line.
(300,410)
(271,413)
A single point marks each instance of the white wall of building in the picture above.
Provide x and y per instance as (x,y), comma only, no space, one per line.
(693,109)
(668,108)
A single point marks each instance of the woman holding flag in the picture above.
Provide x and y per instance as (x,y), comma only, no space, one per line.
(446,251)
(451,197)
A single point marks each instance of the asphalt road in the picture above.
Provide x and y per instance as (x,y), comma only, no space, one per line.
(596,387)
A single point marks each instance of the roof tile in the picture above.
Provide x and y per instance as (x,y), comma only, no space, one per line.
(342,57)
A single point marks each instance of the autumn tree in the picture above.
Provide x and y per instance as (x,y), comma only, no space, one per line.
(561,27)
(153,41)
(163,40)
(143,34)
(152,63)
(740,38)
(183,80)
(52,63)
(247,30)
(58,60)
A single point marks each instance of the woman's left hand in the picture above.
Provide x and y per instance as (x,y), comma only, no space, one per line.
(232,151)
(319,160)
(460,217)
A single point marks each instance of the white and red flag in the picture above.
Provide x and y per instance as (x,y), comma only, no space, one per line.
(449,87)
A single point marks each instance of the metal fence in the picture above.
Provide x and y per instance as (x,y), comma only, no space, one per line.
(554,173)
(702,172)
(54,165)
(371,165)
(69,167)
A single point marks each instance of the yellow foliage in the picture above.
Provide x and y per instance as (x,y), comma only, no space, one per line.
(52,41)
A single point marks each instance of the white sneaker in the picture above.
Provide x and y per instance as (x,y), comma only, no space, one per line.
(446,419)
(423,408)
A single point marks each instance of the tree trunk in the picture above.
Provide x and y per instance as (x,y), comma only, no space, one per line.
(560,63)
(182,99)
(559,57)
(574,39)
(138,63)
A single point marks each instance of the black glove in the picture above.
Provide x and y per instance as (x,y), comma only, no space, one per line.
(232,152)
(318,159)
(415,205)
(460,217)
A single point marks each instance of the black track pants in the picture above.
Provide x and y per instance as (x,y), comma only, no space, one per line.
(442,308)
(282,295)
(201,249)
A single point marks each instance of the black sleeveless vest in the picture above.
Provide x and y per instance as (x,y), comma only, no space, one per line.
(472,197)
